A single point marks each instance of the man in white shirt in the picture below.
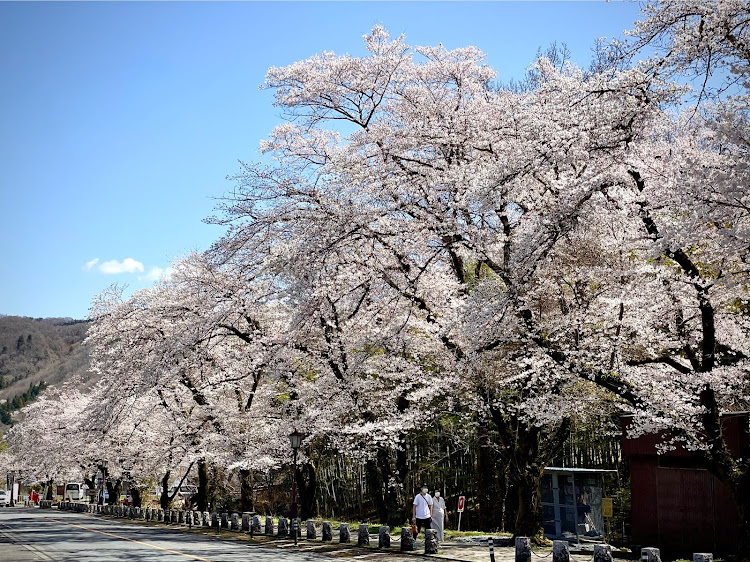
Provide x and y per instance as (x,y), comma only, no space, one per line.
(421,510)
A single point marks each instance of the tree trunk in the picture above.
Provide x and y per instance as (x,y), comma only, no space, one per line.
(307,484)
(247,483)
(376,488)
(164,498)
(201,498)
(114,489)
(529,517)
(489,494)
(135,492)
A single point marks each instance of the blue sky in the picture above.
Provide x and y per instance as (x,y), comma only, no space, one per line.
(119,122)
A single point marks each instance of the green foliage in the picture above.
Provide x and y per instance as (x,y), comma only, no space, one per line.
(36,350)
(19,401)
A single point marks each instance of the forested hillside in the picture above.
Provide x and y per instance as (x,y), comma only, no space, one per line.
(35,351)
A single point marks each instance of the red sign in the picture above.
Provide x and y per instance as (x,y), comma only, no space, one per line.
(461,501)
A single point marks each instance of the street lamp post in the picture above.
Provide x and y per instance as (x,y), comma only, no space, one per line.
(296,441)
(12,485)
(104,480)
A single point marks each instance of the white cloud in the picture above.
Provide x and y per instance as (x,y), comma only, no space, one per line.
(128,265)
(156,273)
(90,264)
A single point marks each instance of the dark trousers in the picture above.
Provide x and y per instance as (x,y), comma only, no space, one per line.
(426,523)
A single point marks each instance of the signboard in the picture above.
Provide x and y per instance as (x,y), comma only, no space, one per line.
(607,507)
(461,502)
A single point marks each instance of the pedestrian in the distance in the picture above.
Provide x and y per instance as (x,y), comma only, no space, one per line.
(421,510)
(439,514)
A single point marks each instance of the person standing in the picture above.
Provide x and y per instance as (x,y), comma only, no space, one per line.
(421,510)
(439,515)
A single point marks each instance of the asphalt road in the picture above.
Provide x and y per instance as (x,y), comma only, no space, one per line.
(35,534)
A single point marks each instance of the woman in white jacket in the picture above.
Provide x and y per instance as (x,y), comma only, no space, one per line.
(439,514)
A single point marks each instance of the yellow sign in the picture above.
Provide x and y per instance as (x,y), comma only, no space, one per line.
(607,507)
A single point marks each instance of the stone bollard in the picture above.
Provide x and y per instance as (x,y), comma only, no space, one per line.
(523,549)
(206,519)
(283,527)
(255,525)
(384,537)
(147,514)
(235,522)
(327,531)
(215,520)
(344,533)
(560,551)
(703,557)
(174,517)
(407,539)
(245,521)
(181,517)
(224,520)
(312,532)
(363,537)
(141,514)
(269,525)
(430,541)
(602,553)
(650,555)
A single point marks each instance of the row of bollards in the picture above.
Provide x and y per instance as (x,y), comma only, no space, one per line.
(247,522)
(602,552)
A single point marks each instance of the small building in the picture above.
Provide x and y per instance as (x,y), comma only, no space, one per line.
(572,503)
(676,503)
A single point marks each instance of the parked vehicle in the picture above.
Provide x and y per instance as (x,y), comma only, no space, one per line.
(4,498)
(75,491)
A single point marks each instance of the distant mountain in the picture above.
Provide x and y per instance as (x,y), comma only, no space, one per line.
(35,350)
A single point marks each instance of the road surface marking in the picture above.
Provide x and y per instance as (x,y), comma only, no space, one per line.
(126,539)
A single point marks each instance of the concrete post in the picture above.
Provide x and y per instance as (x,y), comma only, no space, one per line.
(363,537)
(560,551)
(181,517)
(215,520)
(225,521)
(283,527)
(602,553)
(703,557)
(174,517)
(269,525)
(206,519)
(161,515)
(407,539)
(650,555)
(255,524)
(312,532)
(344,533)
(235,522)
(328,531)
(523,549)
(384,537)
(430,541)
(245,521)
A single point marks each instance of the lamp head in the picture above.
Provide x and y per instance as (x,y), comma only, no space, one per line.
(295,438)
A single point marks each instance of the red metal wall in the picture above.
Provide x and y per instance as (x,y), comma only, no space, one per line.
(677,505)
